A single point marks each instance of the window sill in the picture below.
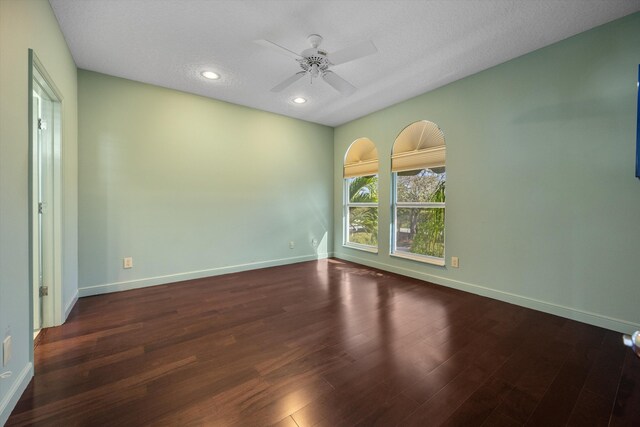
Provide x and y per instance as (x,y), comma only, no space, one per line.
(420,258)
(365,248)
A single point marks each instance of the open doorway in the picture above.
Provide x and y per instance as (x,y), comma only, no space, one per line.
(45,184)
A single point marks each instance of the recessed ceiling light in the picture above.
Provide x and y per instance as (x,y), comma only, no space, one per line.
(299,100)
(210,75)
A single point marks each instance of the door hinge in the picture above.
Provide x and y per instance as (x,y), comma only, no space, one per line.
(44,291)
(42,125)
(40,207)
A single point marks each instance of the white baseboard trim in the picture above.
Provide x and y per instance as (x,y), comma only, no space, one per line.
(14,393)
(69,306)
(161,280)
(595,319)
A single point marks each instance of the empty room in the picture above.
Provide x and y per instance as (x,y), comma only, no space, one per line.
(319,213)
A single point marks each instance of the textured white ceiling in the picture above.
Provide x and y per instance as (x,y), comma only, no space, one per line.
(422,44)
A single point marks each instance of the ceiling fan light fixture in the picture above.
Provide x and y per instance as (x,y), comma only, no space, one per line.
(314,70)
(210,75)
(299,100)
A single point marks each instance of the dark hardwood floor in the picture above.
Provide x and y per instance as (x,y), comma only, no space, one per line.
(326,343)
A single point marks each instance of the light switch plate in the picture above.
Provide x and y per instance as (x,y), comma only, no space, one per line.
(6,351)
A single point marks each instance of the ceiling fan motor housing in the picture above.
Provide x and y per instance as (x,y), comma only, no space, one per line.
(314,61)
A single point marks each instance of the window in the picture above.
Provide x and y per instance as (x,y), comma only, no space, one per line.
(419,178)
(361,196)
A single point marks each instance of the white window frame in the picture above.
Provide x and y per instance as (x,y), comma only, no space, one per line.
(394,223)
(348,204)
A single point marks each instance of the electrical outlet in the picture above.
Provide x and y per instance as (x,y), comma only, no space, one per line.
(127,262)
(292,244)
(454,262)
(6,351)
(314,242)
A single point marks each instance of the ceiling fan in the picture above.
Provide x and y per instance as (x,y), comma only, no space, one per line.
(316,62)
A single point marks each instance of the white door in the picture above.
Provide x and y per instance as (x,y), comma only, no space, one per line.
(43,121)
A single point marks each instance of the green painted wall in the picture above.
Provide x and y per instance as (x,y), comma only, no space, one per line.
(28,24)
(543,208)
(192,187)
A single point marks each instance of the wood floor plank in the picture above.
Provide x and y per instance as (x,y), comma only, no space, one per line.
(479,406)
(436,410)
(626,409)
(597,397)
(558,402)
(323,343)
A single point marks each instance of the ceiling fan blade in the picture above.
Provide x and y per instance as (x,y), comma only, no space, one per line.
(338,83)
(352,52)
(291,80)
(278,48)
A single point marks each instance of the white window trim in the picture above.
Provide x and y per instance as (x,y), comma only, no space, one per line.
(345,218)
(361,247)
(394,215)
(420,258)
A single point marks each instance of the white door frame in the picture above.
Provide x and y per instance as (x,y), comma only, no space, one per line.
(52,304)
